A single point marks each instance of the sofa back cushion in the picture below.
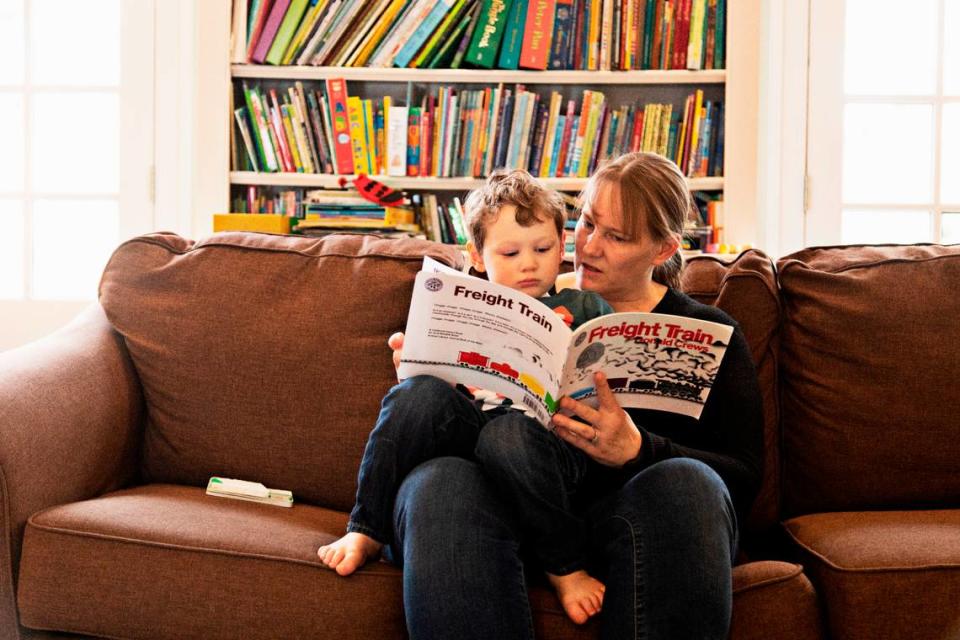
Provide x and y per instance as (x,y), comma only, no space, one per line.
(746,289)
(262,357)
(870,347)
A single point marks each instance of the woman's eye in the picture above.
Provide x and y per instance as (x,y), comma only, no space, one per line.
(617,238)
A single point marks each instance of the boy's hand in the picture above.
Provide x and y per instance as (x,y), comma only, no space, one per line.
(395,342)
(607,434)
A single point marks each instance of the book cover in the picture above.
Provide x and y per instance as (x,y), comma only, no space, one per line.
(513,35)
(285,31)
(478,333)
(485,43)
(258,18)
(402,31)
(310,20)
(336,38)
(377,33)
(268,160)
(340,124)
(296,94)
(397,141)
(352,40)
(276,121)
(317,38)
(411,142)
(537,34)
(270,28)
(292,141)
(443,55)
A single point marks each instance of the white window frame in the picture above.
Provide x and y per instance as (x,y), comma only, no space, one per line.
(825,127)
(27,318)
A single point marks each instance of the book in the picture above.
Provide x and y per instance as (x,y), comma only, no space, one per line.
(538,34)
(285,31)
(470,331)
(422,32)
(513,35)
(258,18)
(340,124)
(251,152)
(485,43)
(270,28)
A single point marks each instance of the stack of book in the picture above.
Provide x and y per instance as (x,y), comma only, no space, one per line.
(453,132)
(506,34)
(332,211)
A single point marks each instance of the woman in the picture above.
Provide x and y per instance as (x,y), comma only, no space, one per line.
(661,508)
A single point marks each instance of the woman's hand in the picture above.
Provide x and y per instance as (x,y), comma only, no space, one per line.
(607,434)
(395,342)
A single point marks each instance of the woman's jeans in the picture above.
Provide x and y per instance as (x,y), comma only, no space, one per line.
(424,418)
(662,543)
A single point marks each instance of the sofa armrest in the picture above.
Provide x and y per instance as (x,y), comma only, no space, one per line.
(70,423)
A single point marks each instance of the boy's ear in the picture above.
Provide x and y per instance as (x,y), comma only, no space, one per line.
(476,260)
(668,246)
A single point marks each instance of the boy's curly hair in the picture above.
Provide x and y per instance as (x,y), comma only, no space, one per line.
(533,201)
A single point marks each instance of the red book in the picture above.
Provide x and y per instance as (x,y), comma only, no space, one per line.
(682,37)
(425,140)
(276,121)
(337,103)
(270,29)
(537,34)
(636,137)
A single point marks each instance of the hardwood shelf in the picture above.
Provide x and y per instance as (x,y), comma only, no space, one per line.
(329,181)
(478,76)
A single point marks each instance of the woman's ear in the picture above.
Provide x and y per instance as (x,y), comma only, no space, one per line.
(476,260)
(668,246)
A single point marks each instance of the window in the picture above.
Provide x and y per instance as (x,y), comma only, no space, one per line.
(883,153)
(75,167)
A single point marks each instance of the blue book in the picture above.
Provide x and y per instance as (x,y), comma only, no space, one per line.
(573,137)
(513,36)
(557,138)
(503,133)
(516,130)
(562,30)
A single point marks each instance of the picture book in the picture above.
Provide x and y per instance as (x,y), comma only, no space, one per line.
(470,331)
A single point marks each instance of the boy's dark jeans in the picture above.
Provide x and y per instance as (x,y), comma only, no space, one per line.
(534,471)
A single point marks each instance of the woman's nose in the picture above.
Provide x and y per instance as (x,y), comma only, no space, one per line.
(591,244)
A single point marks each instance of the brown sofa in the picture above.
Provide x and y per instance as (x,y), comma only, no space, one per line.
(263,357)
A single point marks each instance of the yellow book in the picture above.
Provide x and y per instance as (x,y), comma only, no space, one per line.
(300,136)
(376,34)
(370,133)
(664,129)
(358,136)
(263,222)
(593,35)
(291,137)
(694,133)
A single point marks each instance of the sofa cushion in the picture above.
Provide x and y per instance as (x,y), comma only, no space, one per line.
(774,600)
(262,357)
(746,288)
(885,574)
(195,566)
(868,343)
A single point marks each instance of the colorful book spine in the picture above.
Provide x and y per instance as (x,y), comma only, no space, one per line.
(411,141)
(285,31)
(242,125)
(261,129)
(410,48)
(513,35)
(485,43)
(538,33)
(270,28)
(436,38)
(464,42)
(562,26)
(340,124)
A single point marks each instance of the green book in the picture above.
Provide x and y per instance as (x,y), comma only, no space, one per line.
(513,36)
(290,21)
(488,34)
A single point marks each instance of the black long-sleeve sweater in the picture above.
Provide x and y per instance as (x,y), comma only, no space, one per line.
(729,434)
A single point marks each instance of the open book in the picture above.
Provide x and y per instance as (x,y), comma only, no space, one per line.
(474,332)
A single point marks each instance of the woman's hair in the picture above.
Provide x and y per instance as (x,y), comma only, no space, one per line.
(654,199)
(533,202)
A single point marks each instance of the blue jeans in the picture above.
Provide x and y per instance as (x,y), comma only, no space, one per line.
(532,470)
(663,543)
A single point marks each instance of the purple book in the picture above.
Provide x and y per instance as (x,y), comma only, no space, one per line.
(270,30)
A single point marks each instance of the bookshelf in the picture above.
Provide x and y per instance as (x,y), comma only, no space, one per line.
(736,86)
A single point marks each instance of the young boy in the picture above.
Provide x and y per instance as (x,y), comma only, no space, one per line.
(516,238)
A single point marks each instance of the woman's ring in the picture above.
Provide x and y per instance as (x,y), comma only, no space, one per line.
(596,436)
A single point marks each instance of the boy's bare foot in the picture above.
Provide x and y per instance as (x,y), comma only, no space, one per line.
(580,594)
(349,553)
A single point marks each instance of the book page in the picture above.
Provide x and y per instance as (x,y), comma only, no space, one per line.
(653,361)
(470,331)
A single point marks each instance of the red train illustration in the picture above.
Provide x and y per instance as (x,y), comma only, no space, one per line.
(505,369)
(473,358)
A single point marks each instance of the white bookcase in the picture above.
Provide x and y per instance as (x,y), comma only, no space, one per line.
(737,85)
